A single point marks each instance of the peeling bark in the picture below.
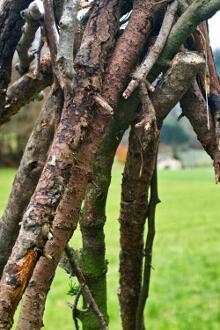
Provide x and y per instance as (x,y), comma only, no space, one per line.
(28,174)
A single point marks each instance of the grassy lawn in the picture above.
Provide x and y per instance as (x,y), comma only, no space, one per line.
(185,287)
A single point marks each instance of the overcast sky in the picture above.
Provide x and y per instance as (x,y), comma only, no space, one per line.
(214,29)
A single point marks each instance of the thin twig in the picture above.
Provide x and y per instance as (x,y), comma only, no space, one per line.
(74,308)
(84,287)
(154,200)
(145,67)
(51,34)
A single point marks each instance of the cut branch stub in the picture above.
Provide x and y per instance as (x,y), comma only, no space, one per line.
(194,108)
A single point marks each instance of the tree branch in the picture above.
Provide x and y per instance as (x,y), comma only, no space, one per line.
(56,173)
(194,108)
(28,173)
(84,288)
(10,33)
(137,177)
(142,71)
(197,12)
(32,15)
(52,35)
(144,292)
(68,26)
(25,90)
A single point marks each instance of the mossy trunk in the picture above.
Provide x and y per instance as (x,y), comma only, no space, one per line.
(93,215)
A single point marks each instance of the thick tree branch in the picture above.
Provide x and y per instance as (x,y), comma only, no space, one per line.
(68,212)
(71,131)
(137,175)
(10,33)
(110,93)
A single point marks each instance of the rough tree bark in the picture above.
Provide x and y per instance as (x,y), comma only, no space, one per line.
(28,174)
(122,63)
(53,212)
(99,38)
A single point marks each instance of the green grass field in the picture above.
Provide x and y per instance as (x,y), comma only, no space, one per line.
(185,287)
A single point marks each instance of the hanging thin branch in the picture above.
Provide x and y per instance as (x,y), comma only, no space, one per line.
(84,287)
(144,293)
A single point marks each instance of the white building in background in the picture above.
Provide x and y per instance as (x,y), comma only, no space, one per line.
(169,163)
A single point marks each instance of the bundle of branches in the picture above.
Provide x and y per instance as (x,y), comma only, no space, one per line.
(116,64)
